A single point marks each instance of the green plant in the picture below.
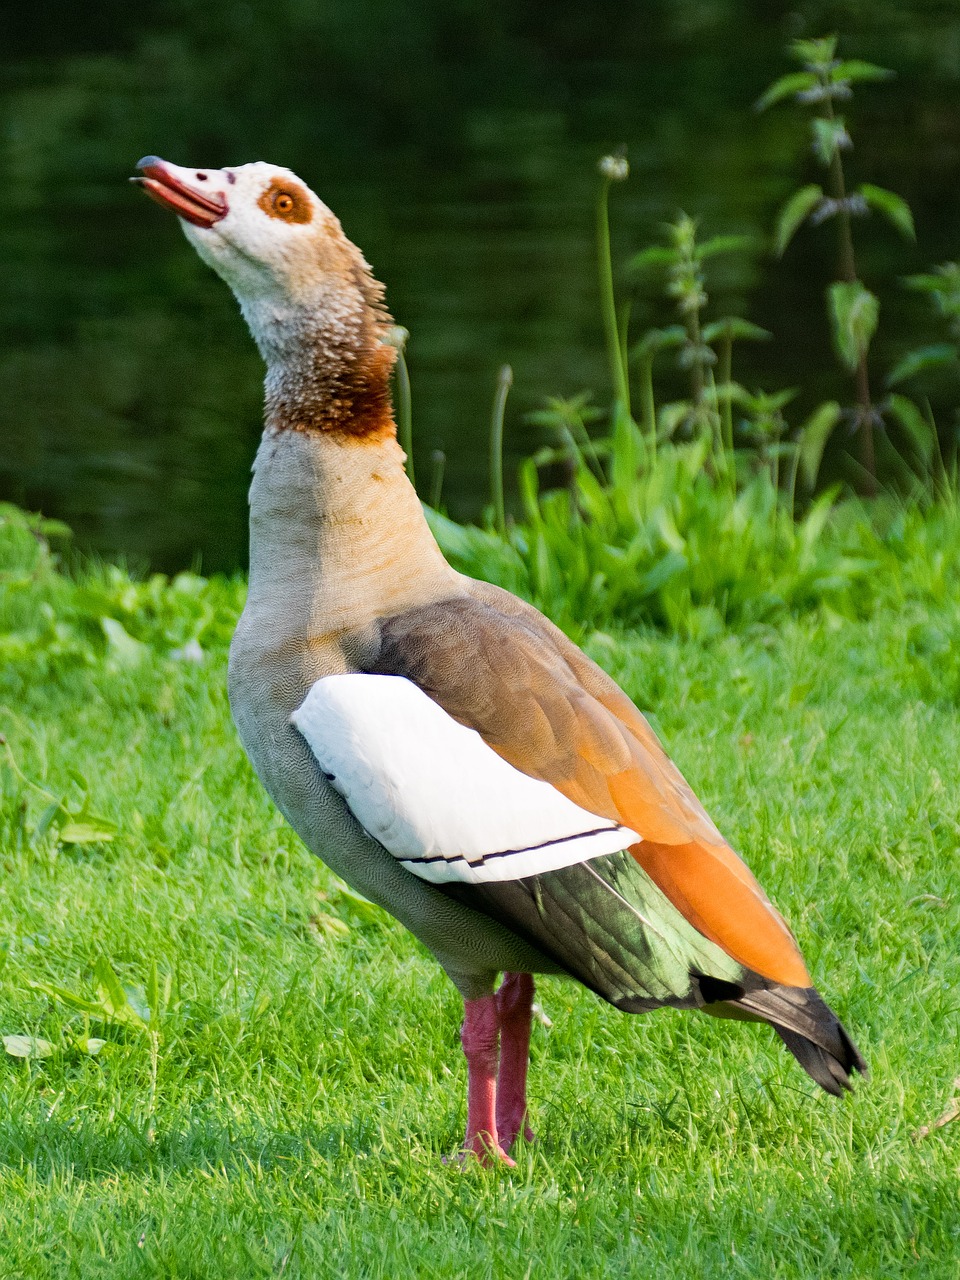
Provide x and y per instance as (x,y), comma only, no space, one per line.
(669,522)
(682,261)
(822,84)
(942,287)
(504,383)
(612,168)
(399,337)
(936,465)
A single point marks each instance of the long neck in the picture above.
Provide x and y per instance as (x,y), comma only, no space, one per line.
(328,366)
(337,535)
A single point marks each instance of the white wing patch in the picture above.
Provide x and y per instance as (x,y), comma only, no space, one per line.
(434,794)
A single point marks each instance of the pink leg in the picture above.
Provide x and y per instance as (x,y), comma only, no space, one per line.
(514,1007)
(480,1037)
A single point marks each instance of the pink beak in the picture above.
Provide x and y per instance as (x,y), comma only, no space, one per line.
(165,183)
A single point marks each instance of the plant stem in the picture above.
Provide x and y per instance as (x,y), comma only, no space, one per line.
(649,404)
(152,1100)
(792,489)
(623,332)
(439,460)
(848,272)
(608,304)
(697,382)
(726,373)
(504,383)
(719,455)
(405,413)
(23,777)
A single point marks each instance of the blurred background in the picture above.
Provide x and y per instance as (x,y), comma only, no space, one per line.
(457,140)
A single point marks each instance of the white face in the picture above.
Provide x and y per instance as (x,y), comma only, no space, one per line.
(277,246)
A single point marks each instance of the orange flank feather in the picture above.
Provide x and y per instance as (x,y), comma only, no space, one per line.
(703,877)
(715,891)
(683,853)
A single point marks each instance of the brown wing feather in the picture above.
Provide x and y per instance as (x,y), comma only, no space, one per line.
(498,666)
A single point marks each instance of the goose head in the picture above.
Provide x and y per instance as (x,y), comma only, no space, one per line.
(274,242)
(314,309)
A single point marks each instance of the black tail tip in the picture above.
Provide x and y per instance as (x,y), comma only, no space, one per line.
(831,1069)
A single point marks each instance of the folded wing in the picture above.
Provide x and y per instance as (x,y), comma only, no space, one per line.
(435,795)
(496,665)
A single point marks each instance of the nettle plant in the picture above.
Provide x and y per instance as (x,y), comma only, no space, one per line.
(702,350)
(717,406)
(684,512)
(854,310)
(942,287)
(937,467)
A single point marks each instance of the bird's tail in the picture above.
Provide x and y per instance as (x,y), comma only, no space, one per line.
(811,1031)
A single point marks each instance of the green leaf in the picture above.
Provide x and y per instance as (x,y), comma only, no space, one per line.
(124,650)
(330,925)
(656,256)
(723,244)
(920,431)
(52,815)
(361,906)
(815,521)
(69,998)
(667,567)
(926,283)
(53,528)
(787,86)
(91,830)
(89,1044)
(28,1047)
(820,52)
(853,71)
(893,207)
(137,1001)
(735,328)
(829,137)
(773,401)
(814,434)
(735,392)
(914,362)
(671,416)
(113,997)
(79,779)
(654,340)
(459,540)
(152,993)
(854,312)
(793,214)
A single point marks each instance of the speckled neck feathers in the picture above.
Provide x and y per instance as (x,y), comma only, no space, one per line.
(328,366)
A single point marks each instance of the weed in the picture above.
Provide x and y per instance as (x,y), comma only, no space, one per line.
(824,82)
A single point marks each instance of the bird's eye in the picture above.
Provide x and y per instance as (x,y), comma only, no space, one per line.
(287,202)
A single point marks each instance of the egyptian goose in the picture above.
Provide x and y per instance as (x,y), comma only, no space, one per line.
(440,744)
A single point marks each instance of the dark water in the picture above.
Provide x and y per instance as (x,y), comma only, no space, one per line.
(457,140)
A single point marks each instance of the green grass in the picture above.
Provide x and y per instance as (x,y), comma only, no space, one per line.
(286,1106)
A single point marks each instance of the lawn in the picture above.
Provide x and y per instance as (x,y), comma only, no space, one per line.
(277,1088)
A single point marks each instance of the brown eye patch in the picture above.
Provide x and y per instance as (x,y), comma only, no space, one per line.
(286,201)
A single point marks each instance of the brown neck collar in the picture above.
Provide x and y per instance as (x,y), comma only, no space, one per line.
(334,374)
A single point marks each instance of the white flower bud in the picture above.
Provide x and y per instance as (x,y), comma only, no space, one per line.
(614,168)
